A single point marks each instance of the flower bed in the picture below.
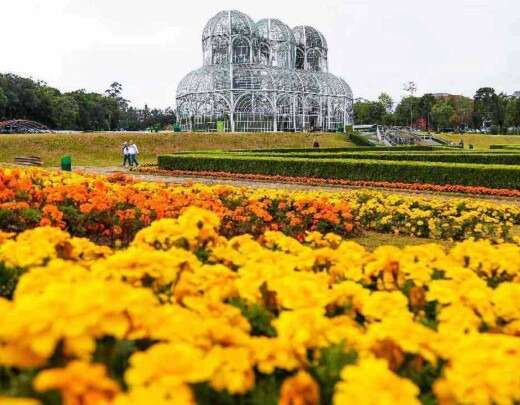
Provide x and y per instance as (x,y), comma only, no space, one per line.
(316,181)
(111,210)
(185,315)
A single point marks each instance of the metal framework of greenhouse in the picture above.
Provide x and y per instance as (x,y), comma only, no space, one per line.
(262,76)
(22,126)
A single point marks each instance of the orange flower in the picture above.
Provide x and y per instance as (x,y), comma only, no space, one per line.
(300,390)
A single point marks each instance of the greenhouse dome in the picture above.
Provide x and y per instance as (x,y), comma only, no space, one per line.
(262,77)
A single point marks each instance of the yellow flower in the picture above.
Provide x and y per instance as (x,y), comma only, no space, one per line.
(79,383)
(371,382)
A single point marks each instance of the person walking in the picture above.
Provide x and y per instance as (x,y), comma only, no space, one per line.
(133,154)
(125,149)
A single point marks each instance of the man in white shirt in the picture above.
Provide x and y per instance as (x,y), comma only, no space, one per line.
(133,154)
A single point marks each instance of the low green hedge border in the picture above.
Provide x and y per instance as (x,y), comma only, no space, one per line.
(450,157)
(350,149)
(512,147)
(496,176)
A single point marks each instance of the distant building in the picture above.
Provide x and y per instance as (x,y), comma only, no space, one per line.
(516,94)
(441,95)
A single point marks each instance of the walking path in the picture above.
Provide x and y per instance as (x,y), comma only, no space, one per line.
(285,185)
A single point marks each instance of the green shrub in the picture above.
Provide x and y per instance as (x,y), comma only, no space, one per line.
(351,149)
(511,147)
(359,140)
(447,157)
(498,176)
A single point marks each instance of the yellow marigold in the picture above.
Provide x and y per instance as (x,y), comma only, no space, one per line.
(170,365)
(300,389)
(214,282)
(137,266)
(506,299)
(304,329)
(273,353)
(32,248)
(410,336)
(194,229)
(234,371)
(482,369)
(381,304)
(80,383)
(371,382)
(75,313)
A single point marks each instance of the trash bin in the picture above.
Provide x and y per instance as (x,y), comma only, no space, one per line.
(66,163)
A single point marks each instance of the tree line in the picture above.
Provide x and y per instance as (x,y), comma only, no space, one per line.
(496,113)
(25,98)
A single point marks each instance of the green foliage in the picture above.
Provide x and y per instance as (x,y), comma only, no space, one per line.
(327,369)
(468,174)
(115,355)
(78,110)
(265,392)
(369,112)
(442,112)
(8,280)
(444,156)
(16,382)
(423,374)
(359,140)
(259,317)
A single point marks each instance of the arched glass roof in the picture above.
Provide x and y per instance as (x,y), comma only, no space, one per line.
(272,29)
(308,37)
(229,23)
(255,77)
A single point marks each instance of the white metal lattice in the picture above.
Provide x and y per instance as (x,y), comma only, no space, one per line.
(262,77)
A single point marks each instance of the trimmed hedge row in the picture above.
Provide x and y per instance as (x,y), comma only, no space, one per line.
(359,140)
(449,157)
(512,147)
(350,149)
(494,176)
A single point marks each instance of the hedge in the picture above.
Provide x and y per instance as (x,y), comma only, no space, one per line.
(513,147)
(359,140)
(349,149)
(496,176)
(450,157)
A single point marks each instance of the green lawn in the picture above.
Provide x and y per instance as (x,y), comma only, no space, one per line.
(372,240)
(103,149)
(482,141)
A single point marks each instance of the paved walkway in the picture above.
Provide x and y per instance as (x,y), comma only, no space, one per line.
(284,185)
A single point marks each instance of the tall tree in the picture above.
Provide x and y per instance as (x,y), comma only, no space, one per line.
(484,107)
(442,113)
(411,88)
(3,102)
(386,101)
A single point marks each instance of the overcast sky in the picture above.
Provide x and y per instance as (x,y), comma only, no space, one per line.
(453,46)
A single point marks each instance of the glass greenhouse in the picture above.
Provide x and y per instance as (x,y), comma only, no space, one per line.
(262,76)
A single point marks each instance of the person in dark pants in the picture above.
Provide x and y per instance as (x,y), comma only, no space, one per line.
(133,154)
(125,149)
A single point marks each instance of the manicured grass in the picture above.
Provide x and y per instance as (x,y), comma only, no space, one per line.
(103,149)
(482,141)
(373,240)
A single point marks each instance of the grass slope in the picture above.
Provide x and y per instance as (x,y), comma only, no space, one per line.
(103,149)
(482,141)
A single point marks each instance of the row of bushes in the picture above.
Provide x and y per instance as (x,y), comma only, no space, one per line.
(511,147)
(493,176)
(350,149)
(480,158)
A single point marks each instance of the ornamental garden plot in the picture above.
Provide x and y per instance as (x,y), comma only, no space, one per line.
(228,303)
